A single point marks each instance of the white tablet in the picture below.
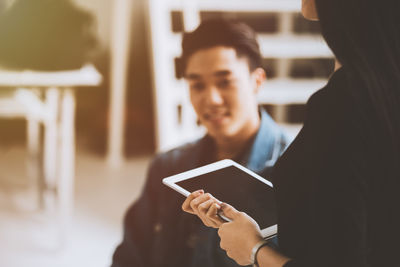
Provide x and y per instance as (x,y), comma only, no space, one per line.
(234,184)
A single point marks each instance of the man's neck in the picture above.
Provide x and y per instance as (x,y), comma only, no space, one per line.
(230,147)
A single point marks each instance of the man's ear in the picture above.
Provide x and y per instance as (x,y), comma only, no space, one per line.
(259,76)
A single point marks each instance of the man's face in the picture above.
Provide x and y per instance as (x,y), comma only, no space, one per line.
(223,91)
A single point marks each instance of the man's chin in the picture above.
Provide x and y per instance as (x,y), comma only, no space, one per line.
(218,123)
(220,134)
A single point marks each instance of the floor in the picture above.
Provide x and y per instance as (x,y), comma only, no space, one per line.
(29,237)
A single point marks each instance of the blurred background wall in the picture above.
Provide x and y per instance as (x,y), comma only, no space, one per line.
(93,103)
(140,136)
(92,123)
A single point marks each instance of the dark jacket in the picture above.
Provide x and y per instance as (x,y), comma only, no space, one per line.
(337,184)
(156,230)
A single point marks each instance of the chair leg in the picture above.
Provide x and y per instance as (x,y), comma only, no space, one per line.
(50,145)
(67,162)
(34,167)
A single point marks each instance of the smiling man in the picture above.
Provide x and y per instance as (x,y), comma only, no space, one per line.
(221,62)
(223,94)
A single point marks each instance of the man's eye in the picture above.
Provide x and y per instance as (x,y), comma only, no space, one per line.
(197,86)
(224,83)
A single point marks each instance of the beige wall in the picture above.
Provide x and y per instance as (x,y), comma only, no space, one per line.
(139,110)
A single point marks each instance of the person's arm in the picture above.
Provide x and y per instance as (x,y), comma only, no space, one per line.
(268,257)
(239,236)
(205,206)
(320,189)
(135,248)
(337,235)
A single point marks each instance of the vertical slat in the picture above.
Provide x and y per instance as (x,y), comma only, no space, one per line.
(120,42)
(50,160)
(66,162)
(191,15)
(163,71)
(283,64)
(34,162)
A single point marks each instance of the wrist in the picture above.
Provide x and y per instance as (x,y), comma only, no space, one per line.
(254,251)
(268,255)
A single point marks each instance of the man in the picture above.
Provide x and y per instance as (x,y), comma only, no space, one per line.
(221,62)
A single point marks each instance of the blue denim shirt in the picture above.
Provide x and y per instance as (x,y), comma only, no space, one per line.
(158,233)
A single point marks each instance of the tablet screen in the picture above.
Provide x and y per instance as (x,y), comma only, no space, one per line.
(239,189)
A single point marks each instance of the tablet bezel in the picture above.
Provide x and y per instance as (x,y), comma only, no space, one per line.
(171,181)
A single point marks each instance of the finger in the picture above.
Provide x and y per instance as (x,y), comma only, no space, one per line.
(221,232)
(194,204)
(212,214)
(221,242)
(229,211)
(229,254)
(186,204)
(203,209)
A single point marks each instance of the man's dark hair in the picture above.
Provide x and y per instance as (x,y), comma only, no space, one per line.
(221,32)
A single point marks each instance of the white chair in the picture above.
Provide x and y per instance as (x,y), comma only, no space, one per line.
(25,104)
(47,98)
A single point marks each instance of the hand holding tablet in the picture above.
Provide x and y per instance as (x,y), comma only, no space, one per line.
(206,207)
(234,184)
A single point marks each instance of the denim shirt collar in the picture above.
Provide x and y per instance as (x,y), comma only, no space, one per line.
(263,149)
(266,146)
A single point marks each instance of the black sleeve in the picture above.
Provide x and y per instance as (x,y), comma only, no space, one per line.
(139,223)
(337,235)
(323,197)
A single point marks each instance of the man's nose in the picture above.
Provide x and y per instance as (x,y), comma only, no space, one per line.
(214,96)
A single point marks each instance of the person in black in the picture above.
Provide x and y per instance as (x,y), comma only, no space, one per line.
(336,185)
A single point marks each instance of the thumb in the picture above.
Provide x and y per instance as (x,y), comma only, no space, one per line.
(229,211)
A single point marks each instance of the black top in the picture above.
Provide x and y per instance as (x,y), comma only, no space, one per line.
(337,195)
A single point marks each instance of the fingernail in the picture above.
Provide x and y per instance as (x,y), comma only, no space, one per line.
(217,206)
(223,205)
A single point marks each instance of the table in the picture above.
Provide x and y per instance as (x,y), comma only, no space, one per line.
(57,114)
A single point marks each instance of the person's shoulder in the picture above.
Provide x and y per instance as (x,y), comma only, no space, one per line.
(331,116)
(173,160)
(178,153)
(332,101)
